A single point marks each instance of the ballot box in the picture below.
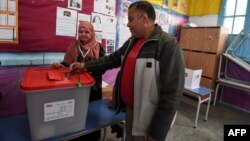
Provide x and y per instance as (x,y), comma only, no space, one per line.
(57,101)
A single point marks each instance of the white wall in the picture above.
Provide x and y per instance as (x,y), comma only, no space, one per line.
(207,20)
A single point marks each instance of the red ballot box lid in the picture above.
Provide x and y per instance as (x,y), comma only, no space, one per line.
(47,78)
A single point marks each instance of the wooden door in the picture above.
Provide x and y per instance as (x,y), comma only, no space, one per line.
(211,40)
(186,56)
(185,38)
(197,38)
(208,65)
(194,60)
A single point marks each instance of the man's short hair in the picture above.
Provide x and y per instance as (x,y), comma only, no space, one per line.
(144,7)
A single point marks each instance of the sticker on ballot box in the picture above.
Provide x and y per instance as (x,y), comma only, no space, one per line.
(59,110)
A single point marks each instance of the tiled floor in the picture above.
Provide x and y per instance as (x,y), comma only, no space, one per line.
(211,130)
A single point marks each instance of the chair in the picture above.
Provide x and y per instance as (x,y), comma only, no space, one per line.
(204,95)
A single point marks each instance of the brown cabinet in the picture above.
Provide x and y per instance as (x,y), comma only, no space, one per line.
(194,60)
(201,48)
(186,38)
(186,56)
(196,39)
(214,40)
(207,82)
(209,65)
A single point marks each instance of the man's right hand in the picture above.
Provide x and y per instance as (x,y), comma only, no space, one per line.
(57,65)
(77,66)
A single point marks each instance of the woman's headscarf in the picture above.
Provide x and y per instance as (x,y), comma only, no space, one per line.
(73,50)
(91,44)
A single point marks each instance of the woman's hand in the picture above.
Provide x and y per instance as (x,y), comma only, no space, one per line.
(57,65)
(77,66)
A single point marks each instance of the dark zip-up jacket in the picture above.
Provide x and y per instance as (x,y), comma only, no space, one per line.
(158,82)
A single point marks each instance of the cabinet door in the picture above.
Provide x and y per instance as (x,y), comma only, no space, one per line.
(185,38)
(195,60)
(186,56)
(211,40)
(197,38)
(207,82)
(208,65)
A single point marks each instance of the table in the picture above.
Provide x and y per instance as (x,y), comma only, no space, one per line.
(203,94)
(99,116)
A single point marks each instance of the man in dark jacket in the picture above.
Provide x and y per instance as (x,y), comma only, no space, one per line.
(151,80)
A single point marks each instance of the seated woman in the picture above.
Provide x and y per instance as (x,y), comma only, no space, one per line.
(84,49)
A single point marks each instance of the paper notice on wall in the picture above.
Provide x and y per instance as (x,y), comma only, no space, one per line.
(83,17)
(98,4)
(12,6)
(3,19)
(109,27)
(110,46)
(3,5)
(75,4)
(106,7)
(66,22)
(97,21)
(109,7)
(59,110)
(12,20)
(6,34)
(124,35)
(98,36)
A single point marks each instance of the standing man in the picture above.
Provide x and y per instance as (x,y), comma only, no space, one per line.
(151,80)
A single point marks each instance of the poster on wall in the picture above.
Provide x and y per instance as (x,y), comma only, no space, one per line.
(75,4)
(163,18)
(165,4)
(83,17)
(123,29)
(175,5)
(6,34)
(3,5)
(98,4)
(3,19)
(124,15)
(12,19)
(173,30)
(110,46)
(109,27)
(96,20)
(109,8)
(183,7)
(12,6)
(66,22)
(98,36)
(106,7)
